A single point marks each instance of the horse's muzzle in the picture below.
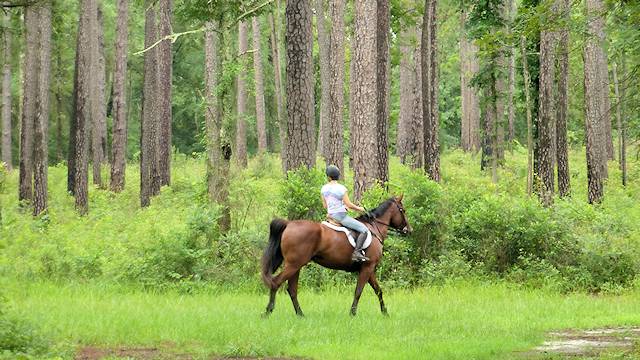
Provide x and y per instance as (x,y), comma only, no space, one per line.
(407,230)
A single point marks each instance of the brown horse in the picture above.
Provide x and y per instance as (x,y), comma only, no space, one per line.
(298,242)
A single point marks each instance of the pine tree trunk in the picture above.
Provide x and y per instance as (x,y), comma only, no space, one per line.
(6,92)
(546,117)
(300,112)
(527,87)
(409,140)
(324,57)
(406,103)
(241,127)
(511,109)
(41,122)
(562,104)
(81,119)
(119,144)
(165,76)
(275,50)
(416,145)
(59,110)
(594,102)
(363,96)
(98,99)
(149,174)
(217,155)
(383,83)
(430,91)
(259,83)
(334,141)
(470,126)
(30,86)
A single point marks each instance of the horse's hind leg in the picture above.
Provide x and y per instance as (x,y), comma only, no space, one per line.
(292,289)
(286,273)
(376,287)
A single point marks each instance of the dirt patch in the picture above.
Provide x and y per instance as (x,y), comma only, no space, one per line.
(575,343)
(94,353)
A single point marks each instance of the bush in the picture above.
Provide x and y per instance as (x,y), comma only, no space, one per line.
(447,267)
(300,195)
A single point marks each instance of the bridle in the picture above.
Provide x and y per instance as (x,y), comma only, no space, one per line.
(402,230)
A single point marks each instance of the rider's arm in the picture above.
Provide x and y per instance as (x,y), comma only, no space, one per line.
(324,202)
(351,205)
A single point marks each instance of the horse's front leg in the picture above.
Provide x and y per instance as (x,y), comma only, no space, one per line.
(376,287)
(363,276)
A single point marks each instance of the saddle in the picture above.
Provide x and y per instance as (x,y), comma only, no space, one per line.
(352,235)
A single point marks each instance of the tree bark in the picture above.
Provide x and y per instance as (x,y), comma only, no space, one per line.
(470,126)
(383,83)
(98,99)
(119,144)
(511,109)
(30,86)
(261,121)
(218,155)
(275,50)
(81,119)
(363,96)
(241,127)
(300,112)
(562,103)
(406,103)
(410,131)
(335,142)
(546,117)
(594,102)
(41,122)
(6,92)
(430,91)
(149,174)
(324,53)
(165,76)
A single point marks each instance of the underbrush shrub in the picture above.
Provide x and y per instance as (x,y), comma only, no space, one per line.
(448,267)
(300,195)
(536,273)
(601,271)
(499,232)
(396,268)
(22,340)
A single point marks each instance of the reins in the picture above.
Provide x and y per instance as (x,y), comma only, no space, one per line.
(389,227)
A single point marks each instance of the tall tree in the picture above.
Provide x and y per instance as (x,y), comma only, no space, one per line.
(527,96)
(98,99)
(119,145)
(324,53)
(81,119)
(334,140)
(30,86)
(383,83)
(300,113)
(41,121)
(165,76)
(546,115)
(511,109)
(363,96)
(6,91)
(259,83)
(430,90)
(410,138)
(218,152)
(275,51)
(594,101)
(241,127)
(562,100)
(621,121)
(470,126)
(149,172)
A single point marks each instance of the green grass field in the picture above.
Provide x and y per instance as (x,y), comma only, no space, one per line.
(463,321)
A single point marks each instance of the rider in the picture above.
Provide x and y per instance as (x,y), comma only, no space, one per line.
(336,201)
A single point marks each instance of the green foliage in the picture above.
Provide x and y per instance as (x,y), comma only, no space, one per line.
(300,194)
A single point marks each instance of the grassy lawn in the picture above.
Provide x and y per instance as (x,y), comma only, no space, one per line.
(463,321)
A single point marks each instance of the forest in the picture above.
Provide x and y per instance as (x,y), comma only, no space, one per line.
(146,145)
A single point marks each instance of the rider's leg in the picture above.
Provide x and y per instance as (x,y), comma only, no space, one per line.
(354,224)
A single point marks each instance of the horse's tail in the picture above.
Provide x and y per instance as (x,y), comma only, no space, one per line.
(272,257)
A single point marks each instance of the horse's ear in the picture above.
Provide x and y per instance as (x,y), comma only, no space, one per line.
(399,197)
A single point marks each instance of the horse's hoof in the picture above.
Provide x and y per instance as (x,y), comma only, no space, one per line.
(300,314)
(266,314)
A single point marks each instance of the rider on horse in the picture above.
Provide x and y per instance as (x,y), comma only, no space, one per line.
(336,201)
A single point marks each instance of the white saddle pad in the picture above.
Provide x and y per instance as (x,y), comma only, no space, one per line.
(343,229)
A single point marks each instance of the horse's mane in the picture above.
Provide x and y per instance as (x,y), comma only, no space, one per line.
(377,212)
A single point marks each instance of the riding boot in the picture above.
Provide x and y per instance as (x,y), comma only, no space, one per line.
(358,255)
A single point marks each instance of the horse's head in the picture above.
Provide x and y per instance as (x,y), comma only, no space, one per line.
(399,219)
